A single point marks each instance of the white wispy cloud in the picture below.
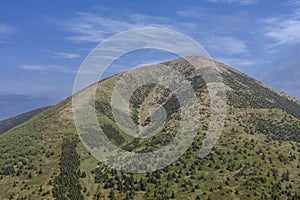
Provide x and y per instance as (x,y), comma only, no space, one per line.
(226,45)
(284,29)
(294,2)
(66,55)
(191,12)
(238,62)
(46,68)
(240,2)
(90,27)
(6,30)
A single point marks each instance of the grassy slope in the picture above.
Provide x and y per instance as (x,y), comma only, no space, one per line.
(245,164)
(7,124)
(33,150)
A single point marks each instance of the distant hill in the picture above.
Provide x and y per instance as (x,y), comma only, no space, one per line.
(256,157)
(7,124)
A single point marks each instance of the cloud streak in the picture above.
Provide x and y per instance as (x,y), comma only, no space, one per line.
(238,62)
(93,28)
(284,29)
(46,68)
(191,12)
(240,2)
(226,45)
(6,30)
(66,55)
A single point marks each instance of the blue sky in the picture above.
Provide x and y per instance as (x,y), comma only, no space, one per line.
(43,43)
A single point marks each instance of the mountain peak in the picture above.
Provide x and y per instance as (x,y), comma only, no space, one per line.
(256,155)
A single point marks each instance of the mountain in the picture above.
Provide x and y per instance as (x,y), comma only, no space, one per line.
(7,124)
(256,157)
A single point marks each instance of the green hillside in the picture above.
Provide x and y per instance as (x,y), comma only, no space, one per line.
(256,157)
(7,124)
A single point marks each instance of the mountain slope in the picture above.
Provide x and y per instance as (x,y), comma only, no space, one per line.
(256,157)
(7,124)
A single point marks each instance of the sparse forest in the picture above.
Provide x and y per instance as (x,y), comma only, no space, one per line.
(256,157)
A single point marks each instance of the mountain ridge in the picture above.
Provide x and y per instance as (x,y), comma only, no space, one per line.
(256,157)
(12,122)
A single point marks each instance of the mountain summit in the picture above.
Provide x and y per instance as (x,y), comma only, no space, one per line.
(257,155)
